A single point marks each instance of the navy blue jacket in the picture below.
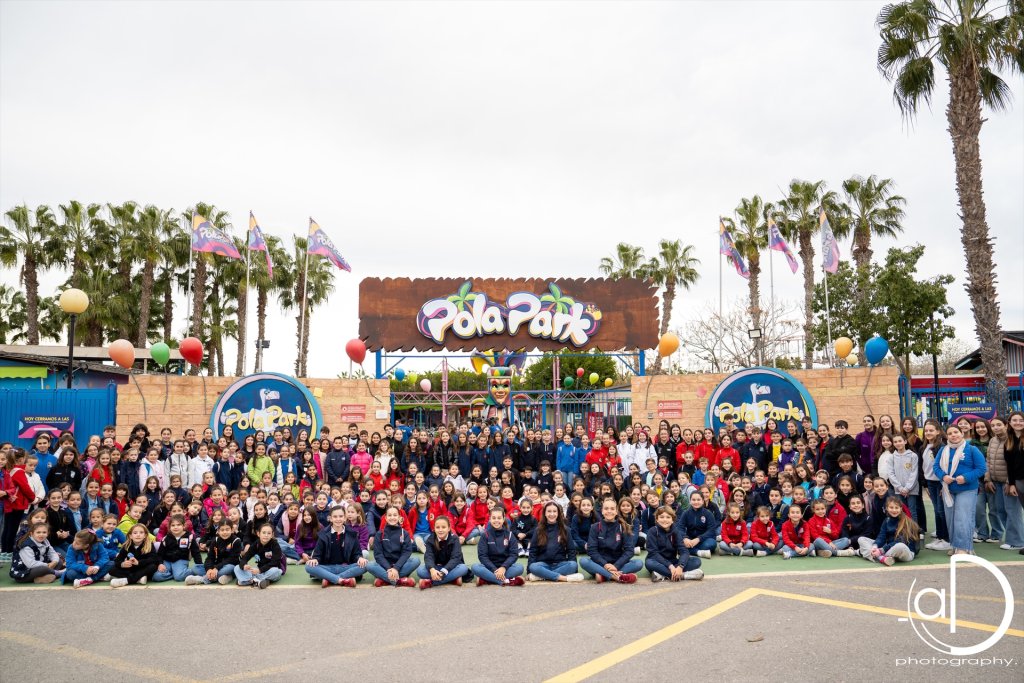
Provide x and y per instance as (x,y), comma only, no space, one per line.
(447,555)
(667,547)
(229,475)
(579,529)
(555,551)
(464,460)
(498,548)
(392,547)
(337,466)
(696,523)
(607,543)
(334,548)
(496,455)
(478,456)
(887,537)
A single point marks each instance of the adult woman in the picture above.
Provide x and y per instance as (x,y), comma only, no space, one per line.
(997,485)
(610,547)
(1014,457)
(930,448)
(552,553)
(959,466)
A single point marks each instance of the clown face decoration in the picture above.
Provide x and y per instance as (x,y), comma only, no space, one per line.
(499,386)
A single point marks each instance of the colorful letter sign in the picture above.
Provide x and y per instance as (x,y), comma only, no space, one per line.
(264,402)
(757,394)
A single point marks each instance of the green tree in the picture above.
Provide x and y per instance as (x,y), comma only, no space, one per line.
(12,322)
(320,278)
(538,373)
(82,232)
(144,245)
(26,239)
(628,261)
(675,265)
(798,222)
(973,40)
(874,210)
(175,243)
(909,313)
(750,230)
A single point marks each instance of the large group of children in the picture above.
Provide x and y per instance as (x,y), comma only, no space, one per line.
(401,505)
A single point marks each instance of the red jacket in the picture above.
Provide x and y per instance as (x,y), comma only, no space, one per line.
(705,450)
(479,514)
(734,532)
(764,533)
(16,482)
(511,507)
(792,537)
(405,522)
(597,456)
(437,508)
(823,528)
(681,450)
(461,522)
(837,515)
(730,453)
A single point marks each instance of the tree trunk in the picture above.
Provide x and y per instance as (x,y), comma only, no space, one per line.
(124,272)
(215,365)
(964,117)
(145,301)
(198,300)
(261,325)
(862,245)
(754,287)
(31,279)
(168,308)
(242,314)
(667,299)
(807,256)
(305,346)
(300,288)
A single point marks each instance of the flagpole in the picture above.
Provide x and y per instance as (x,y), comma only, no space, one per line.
(245,347)
(721,323)
(771,276)
(828,317)
(188,294)
(302,314)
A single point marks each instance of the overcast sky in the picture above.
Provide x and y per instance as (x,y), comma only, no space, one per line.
(482,139)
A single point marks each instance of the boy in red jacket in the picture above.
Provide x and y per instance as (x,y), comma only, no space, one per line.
(796,540)
(735,539)
(826,537)
(764,538)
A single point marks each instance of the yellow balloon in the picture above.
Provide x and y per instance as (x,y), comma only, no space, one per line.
(608,382)
(843,347)
(852,359)
(668,344)
(594,377)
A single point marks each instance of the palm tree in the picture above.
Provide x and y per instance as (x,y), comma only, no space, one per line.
(798,221)
(124,223)
(174,251)
(27,238)
(751,237)
(320,280)
(627,262)
(972,40)
(283,281)
(145,245)
(874,211)
(219,219)
(674,265)
(82,229)
(12,322)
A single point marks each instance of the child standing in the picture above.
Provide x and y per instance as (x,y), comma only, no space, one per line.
(137,561)
(498,551)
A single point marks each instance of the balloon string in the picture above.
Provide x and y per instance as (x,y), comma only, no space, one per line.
(145,413)
(864,394)
(167,389)
(203,377)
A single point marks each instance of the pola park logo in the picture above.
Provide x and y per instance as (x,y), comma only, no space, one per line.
(920,620)
(263,402)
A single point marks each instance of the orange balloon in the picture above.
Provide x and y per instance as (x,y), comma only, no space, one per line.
(668,344)
(122,352)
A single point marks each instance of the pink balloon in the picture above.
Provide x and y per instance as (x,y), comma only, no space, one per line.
(425,384)
(122,352)
(579,372)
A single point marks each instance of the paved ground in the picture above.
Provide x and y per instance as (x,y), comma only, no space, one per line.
(757,625)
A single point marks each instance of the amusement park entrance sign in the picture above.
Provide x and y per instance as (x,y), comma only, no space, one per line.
(547,314)
(756,395)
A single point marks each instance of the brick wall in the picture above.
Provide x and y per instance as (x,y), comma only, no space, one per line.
(186,407)
(846,394)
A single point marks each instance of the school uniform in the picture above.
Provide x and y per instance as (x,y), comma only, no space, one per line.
(555,558)
(80,561)
(795,537)
(337,555)
(700,523)
(762,534)
(175,553)
(31,559)
(608,544)
(268,559)
(145,568)
(665,549)
(444,556)
(224,555)
(392,547)
(497,548)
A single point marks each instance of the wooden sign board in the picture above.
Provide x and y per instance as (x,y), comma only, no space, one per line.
(463,314)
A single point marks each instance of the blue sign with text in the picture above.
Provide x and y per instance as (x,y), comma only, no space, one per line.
(263,402)
(758,394)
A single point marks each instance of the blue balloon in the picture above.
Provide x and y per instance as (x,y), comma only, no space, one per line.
(399,374)
(875,350)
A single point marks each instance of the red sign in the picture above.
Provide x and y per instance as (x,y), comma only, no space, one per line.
(668,410)
(355,412)
(595,421)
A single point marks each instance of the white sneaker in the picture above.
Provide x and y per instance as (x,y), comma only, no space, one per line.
(636,551)
(694,575)
(656,577)
(1007,546)
(193,580)
(747,553)
(574,578)
(933,535)
(420,545)
(118,583)
(226,579)
(706,554)
(533,577)
(292,560)
(939,545)
(992,540)
(143,581)
(760,553)
(847,552)
(523,553)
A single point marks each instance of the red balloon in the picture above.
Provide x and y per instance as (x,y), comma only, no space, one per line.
(122,352)
(356,350)
(191,350)
(579,372)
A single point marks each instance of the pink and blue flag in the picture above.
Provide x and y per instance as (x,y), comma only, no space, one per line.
(210,239)
(727,247)
(257,243)
(777,243)
(321,245)
(829,246)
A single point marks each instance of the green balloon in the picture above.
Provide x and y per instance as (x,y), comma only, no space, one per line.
(567,382)
(161,353)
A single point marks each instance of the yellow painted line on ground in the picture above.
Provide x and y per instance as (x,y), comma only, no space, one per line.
(902,613)
(901,591)
(623,653)
(871,568)
(134,669)
(469,634)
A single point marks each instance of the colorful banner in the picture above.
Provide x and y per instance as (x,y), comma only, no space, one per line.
(321,245)
(263,402)
(777,243)
(829,246)
(29,426)
(756,394)
(972,411)
(727,247)
(212,240)
(257,243)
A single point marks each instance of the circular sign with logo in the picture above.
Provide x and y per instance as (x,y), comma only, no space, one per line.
(263,402)
(757,394)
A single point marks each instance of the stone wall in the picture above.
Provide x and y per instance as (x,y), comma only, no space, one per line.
(846,394)
(188,404)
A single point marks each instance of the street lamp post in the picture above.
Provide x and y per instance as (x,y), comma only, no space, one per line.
(73,302)
(755,336)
